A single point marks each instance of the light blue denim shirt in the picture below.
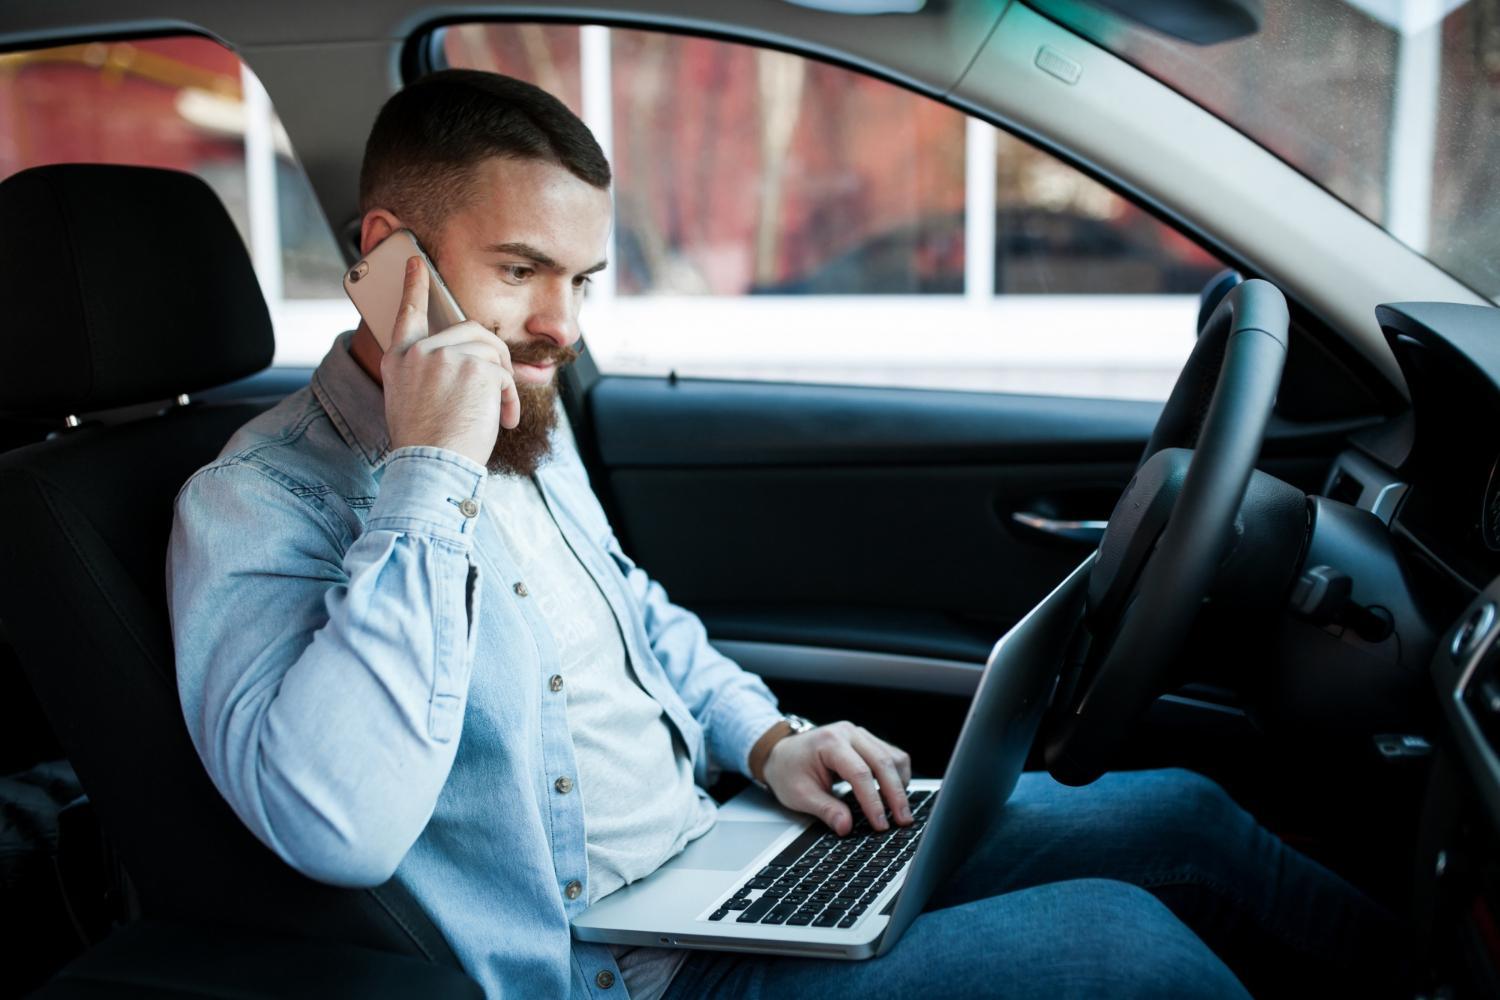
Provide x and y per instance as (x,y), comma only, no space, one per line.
(368,685)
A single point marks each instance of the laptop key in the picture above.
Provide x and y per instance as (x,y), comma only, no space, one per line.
(799,919)
(756,910)
(850,920)
(759,883)
(719,913)
(794,850)
(738,903)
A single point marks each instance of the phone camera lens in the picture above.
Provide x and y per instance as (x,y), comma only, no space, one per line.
(358,271)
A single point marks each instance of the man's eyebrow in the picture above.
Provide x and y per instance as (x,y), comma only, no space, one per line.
(537,257)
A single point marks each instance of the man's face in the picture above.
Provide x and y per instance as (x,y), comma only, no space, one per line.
(517,257)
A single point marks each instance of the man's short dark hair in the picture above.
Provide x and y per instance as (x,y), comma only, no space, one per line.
(429,137)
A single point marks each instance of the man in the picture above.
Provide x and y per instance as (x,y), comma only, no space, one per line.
(409,645)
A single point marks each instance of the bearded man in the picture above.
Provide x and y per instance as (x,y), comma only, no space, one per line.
(410,646)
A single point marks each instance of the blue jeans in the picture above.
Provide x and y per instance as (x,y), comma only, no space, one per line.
(1143,884)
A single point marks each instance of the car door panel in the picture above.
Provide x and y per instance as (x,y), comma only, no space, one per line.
(868,518)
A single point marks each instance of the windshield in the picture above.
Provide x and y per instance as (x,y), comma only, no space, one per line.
(1392,105)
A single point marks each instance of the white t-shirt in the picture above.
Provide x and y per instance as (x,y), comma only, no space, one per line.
(640,803)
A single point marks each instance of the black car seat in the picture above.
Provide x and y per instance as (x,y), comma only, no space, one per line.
(121,287)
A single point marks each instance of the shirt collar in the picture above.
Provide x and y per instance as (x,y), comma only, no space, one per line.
(353,401)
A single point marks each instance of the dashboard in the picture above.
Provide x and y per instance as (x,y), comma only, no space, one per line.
(1437,470)
(1447,521)
(1450,515)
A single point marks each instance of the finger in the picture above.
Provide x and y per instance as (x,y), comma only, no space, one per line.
(411,315)
(510,400)
(462,333)
(510,395)
(485,352)
(883,765)
(849,765)
(816,801)
(471,348)
(901,757)
(903,763)
(470,332)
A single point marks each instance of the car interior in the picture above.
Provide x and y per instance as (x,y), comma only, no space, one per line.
(861,546)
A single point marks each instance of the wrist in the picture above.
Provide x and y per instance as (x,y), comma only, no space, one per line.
(760,753)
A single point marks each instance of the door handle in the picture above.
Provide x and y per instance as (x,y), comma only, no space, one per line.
(1074,531)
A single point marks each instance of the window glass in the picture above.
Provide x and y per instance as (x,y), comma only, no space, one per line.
(1392,105)
(1060,232)
(744,170)
(782,218)
(186,104)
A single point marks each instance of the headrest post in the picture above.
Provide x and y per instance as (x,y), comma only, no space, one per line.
(71,421)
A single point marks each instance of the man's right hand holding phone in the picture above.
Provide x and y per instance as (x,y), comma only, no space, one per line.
(452,389)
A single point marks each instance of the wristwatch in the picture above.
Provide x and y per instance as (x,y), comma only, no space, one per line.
(798,724)
(790,725)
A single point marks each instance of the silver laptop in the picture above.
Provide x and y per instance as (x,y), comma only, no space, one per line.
(768,880)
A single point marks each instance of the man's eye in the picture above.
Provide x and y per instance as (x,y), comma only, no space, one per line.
(516,272)
(582,281)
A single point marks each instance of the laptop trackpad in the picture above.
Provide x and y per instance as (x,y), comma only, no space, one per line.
(729,846)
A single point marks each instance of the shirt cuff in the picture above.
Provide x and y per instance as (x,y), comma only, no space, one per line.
(431,491)
(740,718)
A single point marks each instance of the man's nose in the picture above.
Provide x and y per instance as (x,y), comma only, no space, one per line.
(553,315)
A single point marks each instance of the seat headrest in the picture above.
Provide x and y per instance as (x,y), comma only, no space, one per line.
(121,285)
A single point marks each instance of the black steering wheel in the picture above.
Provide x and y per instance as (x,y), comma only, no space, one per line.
(1169,532)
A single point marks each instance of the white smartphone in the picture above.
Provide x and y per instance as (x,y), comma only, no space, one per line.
(375,284)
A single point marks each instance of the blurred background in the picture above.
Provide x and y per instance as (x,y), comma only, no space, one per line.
(786,219)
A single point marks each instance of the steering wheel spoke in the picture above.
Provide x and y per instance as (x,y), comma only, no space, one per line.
(1171,530)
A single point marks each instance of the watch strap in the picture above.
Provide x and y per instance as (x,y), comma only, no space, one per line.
(789,725)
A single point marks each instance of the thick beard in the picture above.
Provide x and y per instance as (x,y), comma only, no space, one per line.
(520,451)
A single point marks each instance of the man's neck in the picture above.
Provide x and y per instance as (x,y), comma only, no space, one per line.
(366,352)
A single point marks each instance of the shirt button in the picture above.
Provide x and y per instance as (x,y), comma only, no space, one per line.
(573,889)
(469,507)
(605,979)
(556,682)
(563,784)
(520,589)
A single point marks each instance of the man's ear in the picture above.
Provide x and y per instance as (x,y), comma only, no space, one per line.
(374,228)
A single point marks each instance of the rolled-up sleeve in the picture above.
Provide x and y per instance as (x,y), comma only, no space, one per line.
(324,686)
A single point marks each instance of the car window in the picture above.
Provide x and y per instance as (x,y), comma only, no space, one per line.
(783,218)
(186,103)
(1392,106)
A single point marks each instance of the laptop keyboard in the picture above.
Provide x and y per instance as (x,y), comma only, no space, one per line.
(824,880)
